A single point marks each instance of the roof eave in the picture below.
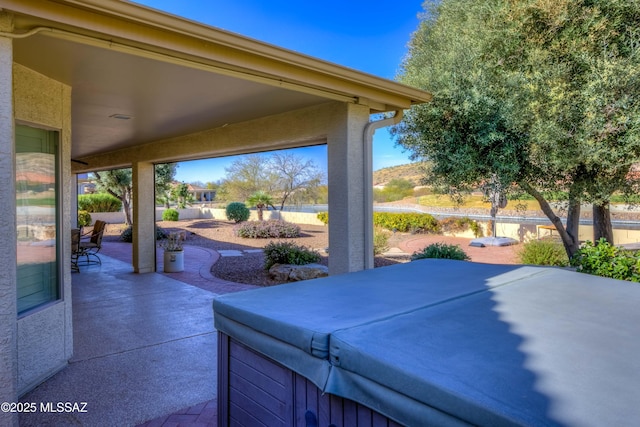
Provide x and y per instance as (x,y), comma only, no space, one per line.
(157,31)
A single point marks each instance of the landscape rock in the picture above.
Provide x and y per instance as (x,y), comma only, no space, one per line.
(295,273)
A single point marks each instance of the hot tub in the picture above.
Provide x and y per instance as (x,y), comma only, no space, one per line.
(432,342)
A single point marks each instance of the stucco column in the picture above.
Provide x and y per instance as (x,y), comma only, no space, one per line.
(73,208)
(8,278)
(346,165)
(144,217)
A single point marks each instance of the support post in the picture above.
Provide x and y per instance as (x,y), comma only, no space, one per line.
(346,166)
(144,217)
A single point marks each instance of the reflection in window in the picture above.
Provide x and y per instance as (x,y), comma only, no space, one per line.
(36,211)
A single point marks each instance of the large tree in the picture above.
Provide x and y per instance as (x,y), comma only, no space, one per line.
(164,176)
(529,94)
(283,176)
(118,183)
(295,175)
(245,176)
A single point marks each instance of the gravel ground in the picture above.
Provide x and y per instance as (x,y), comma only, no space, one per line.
(248,268)
(219,235)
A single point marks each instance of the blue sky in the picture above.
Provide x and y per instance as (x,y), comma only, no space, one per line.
(367,35)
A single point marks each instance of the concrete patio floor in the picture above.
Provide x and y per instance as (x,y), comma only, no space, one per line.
(144,347)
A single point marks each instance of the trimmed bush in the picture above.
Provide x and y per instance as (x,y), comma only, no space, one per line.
(99,202)
(127,234)
(267,229)
(544,252)
(237,211)
(403,222)
(380,240)
(604,259)
(170,215)
(84,218)
(406,222)
(288,253)
(441,250)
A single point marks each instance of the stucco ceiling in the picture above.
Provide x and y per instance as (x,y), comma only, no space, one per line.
(165,76)
(162,99)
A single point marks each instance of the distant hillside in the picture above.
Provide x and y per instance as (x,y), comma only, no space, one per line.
(411,172)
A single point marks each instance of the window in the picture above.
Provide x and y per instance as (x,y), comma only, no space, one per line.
(37,217)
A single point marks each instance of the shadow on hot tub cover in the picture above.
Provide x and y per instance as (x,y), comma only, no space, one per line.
(560,348)
(293,323)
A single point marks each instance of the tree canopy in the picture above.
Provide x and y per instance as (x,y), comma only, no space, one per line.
(532,95)
(285,177)
(118,183)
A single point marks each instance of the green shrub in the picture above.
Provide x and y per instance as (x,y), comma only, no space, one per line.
(380,240)
(267,229)
(458,224)
(127,234)
(544,252)
(160,233)
(606,260)
(99,202)
(476,228)
(84,218)
(288,253)
(441,250)
(324,217)
(403,222)
(170,215)
(406,222)
(237,211)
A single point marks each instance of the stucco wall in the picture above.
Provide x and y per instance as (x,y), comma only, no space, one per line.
(8,331)
(45,337)
(204,213)
(292,217)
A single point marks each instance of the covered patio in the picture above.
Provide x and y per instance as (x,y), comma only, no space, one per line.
(144,345)
(103,84)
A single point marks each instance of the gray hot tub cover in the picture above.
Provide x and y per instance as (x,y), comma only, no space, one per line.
(450,342)
(559,348)
(302,316)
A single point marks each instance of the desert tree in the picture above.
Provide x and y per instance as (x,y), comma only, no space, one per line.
(533,95)
(118,183)
(294,174)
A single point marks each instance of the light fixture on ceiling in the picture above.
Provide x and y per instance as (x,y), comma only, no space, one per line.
(120,116)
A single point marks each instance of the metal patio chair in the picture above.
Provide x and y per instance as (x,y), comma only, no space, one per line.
(75,249)
(89,248)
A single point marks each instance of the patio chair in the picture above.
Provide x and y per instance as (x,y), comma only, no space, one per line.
(75,249)
(89,249)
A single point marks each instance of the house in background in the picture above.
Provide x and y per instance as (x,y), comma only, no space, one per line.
(202,194)
(85,184)
(102,84)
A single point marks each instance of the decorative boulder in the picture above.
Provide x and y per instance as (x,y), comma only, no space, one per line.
(295,273)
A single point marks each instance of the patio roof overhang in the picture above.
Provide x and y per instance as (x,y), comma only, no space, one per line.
(139,75)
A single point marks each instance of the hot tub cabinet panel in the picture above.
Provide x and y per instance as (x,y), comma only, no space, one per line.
(254,390)
(432,343)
